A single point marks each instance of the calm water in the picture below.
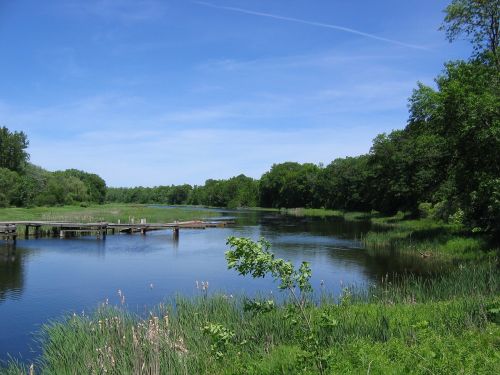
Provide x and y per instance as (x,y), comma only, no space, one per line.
(43,279)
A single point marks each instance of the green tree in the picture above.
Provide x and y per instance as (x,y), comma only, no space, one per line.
(464,113)
(479,20)
(9,184)
(343,184)
(179,194)
(95,185)
(13,146)
(289,185)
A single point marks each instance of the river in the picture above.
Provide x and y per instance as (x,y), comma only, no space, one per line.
(44,279)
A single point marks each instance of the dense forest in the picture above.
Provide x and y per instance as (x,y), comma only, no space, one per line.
(445,163)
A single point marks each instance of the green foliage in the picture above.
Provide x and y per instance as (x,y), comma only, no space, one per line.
(479,20)
(220,337)
(343,184)
(289,185)
(9,185)
(254,258)
(24,185)
(258,307)
(13,147)
(239,191)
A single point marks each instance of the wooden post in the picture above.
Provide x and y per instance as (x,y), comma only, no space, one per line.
(27,232)
(37,231)
(176,233)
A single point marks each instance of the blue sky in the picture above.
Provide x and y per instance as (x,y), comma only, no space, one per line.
(150,92)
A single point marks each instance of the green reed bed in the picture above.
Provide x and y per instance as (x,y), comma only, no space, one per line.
(104,213)
(321,212)
(427,238)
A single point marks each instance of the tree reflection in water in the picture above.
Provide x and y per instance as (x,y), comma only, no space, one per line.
(11,272)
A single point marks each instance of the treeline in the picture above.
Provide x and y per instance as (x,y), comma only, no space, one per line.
(23,184)
(240,191)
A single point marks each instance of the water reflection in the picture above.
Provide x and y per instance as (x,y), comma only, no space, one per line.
(11,272)
(392,263)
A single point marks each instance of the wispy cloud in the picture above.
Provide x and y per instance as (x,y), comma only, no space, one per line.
(326,59)
(123,10)
(312,23)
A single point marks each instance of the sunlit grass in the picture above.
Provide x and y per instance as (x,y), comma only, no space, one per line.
(445,325)
(106,213)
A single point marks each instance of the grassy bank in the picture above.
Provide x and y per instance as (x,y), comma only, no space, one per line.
(425,238)
(319,212)
(428,238)
(106,212)
(425,327)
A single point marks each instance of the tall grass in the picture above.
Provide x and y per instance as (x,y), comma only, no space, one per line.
(103,213)
(428,239)
(440,325)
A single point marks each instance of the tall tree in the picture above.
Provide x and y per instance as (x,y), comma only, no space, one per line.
(479,20)
(13,147)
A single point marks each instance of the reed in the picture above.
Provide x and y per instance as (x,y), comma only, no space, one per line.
(441,325)
(104,213)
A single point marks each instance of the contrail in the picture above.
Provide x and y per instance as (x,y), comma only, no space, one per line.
(311,23)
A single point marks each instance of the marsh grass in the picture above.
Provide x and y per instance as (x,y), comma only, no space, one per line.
(103,213)
(321,212)
(427,238)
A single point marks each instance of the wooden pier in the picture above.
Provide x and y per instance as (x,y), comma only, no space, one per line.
(8,230)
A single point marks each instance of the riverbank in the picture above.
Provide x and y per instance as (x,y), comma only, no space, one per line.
(446,326)
(423,237)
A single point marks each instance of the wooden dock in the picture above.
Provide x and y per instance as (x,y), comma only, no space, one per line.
(8,230)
